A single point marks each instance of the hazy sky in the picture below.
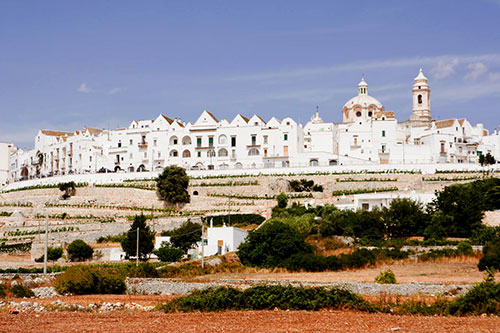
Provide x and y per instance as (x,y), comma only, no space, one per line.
(69,64)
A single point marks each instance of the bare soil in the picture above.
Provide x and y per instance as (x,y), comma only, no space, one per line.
(251,321)
(451,271)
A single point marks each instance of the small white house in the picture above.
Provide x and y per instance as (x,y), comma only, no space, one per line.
(384,199)
(160,240)
(221,240)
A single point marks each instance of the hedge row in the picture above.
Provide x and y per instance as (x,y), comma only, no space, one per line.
(360,191)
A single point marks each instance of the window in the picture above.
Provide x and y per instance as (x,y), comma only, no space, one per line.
(233,141)
(223,152)
(285,150)
(131,142)
(211,153)
(365,206)
(419,99)
(159,154)
(186,153)
(211,141)
(358,114)
(199,154)
(254,140)
(253,152)
(285,137)
(198,142)
(145,154)
(174,141)
(222,139)
(155,142)
(370,114)
(131,156)
(119,143)
(383,133)
(265,152)
(265,139)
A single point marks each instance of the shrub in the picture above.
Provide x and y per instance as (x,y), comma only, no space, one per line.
(168,253)
(53,253)
(78,250)
(81,280)
(282,200)
(21,291)
(3,290)
(358,259)
(68,188)
(144,270)
(482,298)
(272,243)
(267,297)
(386,277)
(491,256)
(184,236)
(464,248)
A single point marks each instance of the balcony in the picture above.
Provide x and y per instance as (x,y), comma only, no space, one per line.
(355,146)
(143,145)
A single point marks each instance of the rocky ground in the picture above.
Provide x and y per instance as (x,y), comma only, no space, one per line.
(247,321)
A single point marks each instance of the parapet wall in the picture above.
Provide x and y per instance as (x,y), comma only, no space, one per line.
(108,178)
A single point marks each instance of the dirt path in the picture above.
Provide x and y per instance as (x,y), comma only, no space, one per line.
(252,321)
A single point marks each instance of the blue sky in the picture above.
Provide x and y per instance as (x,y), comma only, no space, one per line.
(69,64)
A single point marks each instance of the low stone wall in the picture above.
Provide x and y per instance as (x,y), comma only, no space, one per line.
(149,286)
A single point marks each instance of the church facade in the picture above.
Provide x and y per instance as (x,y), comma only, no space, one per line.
(368,134)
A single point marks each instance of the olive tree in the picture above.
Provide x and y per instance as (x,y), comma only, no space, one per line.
(172,185)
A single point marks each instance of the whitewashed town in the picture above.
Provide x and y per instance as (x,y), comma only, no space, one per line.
(367,135)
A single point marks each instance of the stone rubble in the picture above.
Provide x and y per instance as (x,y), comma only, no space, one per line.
(158,286)
(58,305)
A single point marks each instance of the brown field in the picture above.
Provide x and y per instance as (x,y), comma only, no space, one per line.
(450,271)
(231,321)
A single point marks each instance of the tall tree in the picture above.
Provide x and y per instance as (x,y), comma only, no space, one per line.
(172,185)
(146,238)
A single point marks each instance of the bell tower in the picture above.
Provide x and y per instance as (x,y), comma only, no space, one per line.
(421,99)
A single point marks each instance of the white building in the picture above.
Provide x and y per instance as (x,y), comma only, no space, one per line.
(368,134)
(221,240)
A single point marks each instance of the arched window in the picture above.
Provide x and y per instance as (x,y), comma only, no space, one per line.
(223,152)
(186,140)
(174,153)
(253,152)
(313,162)
(222,139)
(238,165)
(211,153)
(370,114)
(173,140)
(419,99)
(332,162)
(186,153)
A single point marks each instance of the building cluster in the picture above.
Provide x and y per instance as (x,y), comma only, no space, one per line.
(368,134)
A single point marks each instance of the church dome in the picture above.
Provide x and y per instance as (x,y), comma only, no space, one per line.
(363,100)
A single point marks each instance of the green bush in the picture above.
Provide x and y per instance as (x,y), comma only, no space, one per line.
(282,200)
(3,290)
(267,297)
(491,256)
(237,220)
(82,280)
(21,291)
(271,244)
(184,236)
(78,250)
(168,253)
(358,259)
(386,277)
(482,298)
